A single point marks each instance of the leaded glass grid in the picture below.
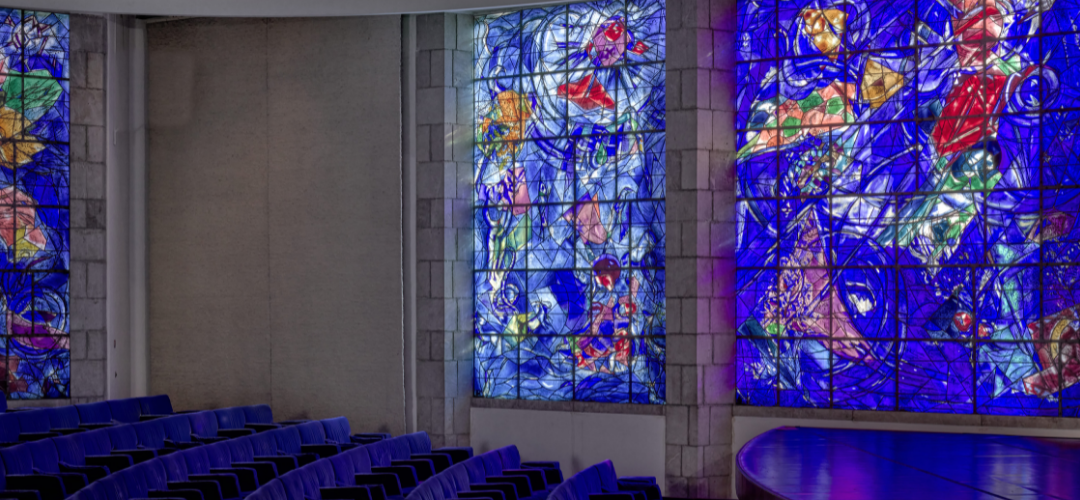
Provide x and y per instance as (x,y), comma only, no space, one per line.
(569,212)
(34,204)
(907,199)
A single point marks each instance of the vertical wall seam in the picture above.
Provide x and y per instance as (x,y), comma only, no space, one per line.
(269,274)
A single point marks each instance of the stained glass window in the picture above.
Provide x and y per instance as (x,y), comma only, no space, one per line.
(569,203)
(34,188)
(908,188)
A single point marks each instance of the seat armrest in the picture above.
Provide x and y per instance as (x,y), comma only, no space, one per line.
(490,494)
(457,453)
(234,433)
(375,490)
(303,459)
(536,477)
(405,474)
(137,456)
(209,439)
(262,427)
(282,463)
(49,487)
(73,481)
(70,430)
(182,445)
(519,482)
(248,479)
(389,482)
(345,493)
(508,490)
(20,495)
(441,461)
(191,494)
(650,490)
(210,490)
(322,450)
(297,421)
(25,437)
(266,471)
(611,496)
(424,468)
(230,486)
(115,463)
(92,473)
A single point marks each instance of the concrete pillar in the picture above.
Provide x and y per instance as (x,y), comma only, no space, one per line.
(443,226)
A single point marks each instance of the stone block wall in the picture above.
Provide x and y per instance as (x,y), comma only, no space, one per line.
(444,111)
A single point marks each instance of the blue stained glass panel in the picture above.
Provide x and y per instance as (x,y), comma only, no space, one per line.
(907,201)
(35,161)
(569,213)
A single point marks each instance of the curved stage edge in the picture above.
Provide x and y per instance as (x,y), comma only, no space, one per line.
(800,463)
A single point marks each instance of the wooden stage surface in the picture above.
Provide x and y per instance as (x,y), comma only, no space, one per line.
(809,464)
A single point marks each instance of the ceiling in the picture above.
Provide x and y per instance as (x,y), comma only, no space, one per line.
(266,8)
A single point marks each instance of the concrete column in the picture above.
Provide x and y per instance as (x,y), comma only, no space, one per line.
(443,226)
(700,267)
(89,336)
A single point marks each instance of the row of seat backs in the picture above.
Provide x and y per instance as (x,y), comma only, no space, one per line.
(446,484)
(40,420)
(339,470)
(598,478)
(136,481)
(299,484)
(46,455)
(205,423)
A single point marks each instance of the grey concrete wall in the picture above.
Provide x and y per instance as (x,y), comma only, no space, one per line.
(274,199)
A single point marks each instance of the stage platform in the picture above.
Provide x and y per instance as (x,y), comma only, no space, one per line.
(832,464)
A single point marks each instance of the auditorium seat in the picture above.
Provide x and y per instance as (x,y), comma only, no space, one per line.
(125,441)
(19,463)
(125,411)
(382,461)
(94,415)
(232,422)
(338,431)
(420,447)
(64,420)
(599,482)
(34,425)
(259,417)
(47,461)
(313,437)
(204,428)
(155,407)
(264,447)
(214,459)
(176,468)
(290,443)
(9,428)
(74,452)
(353,468)
(33,487)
